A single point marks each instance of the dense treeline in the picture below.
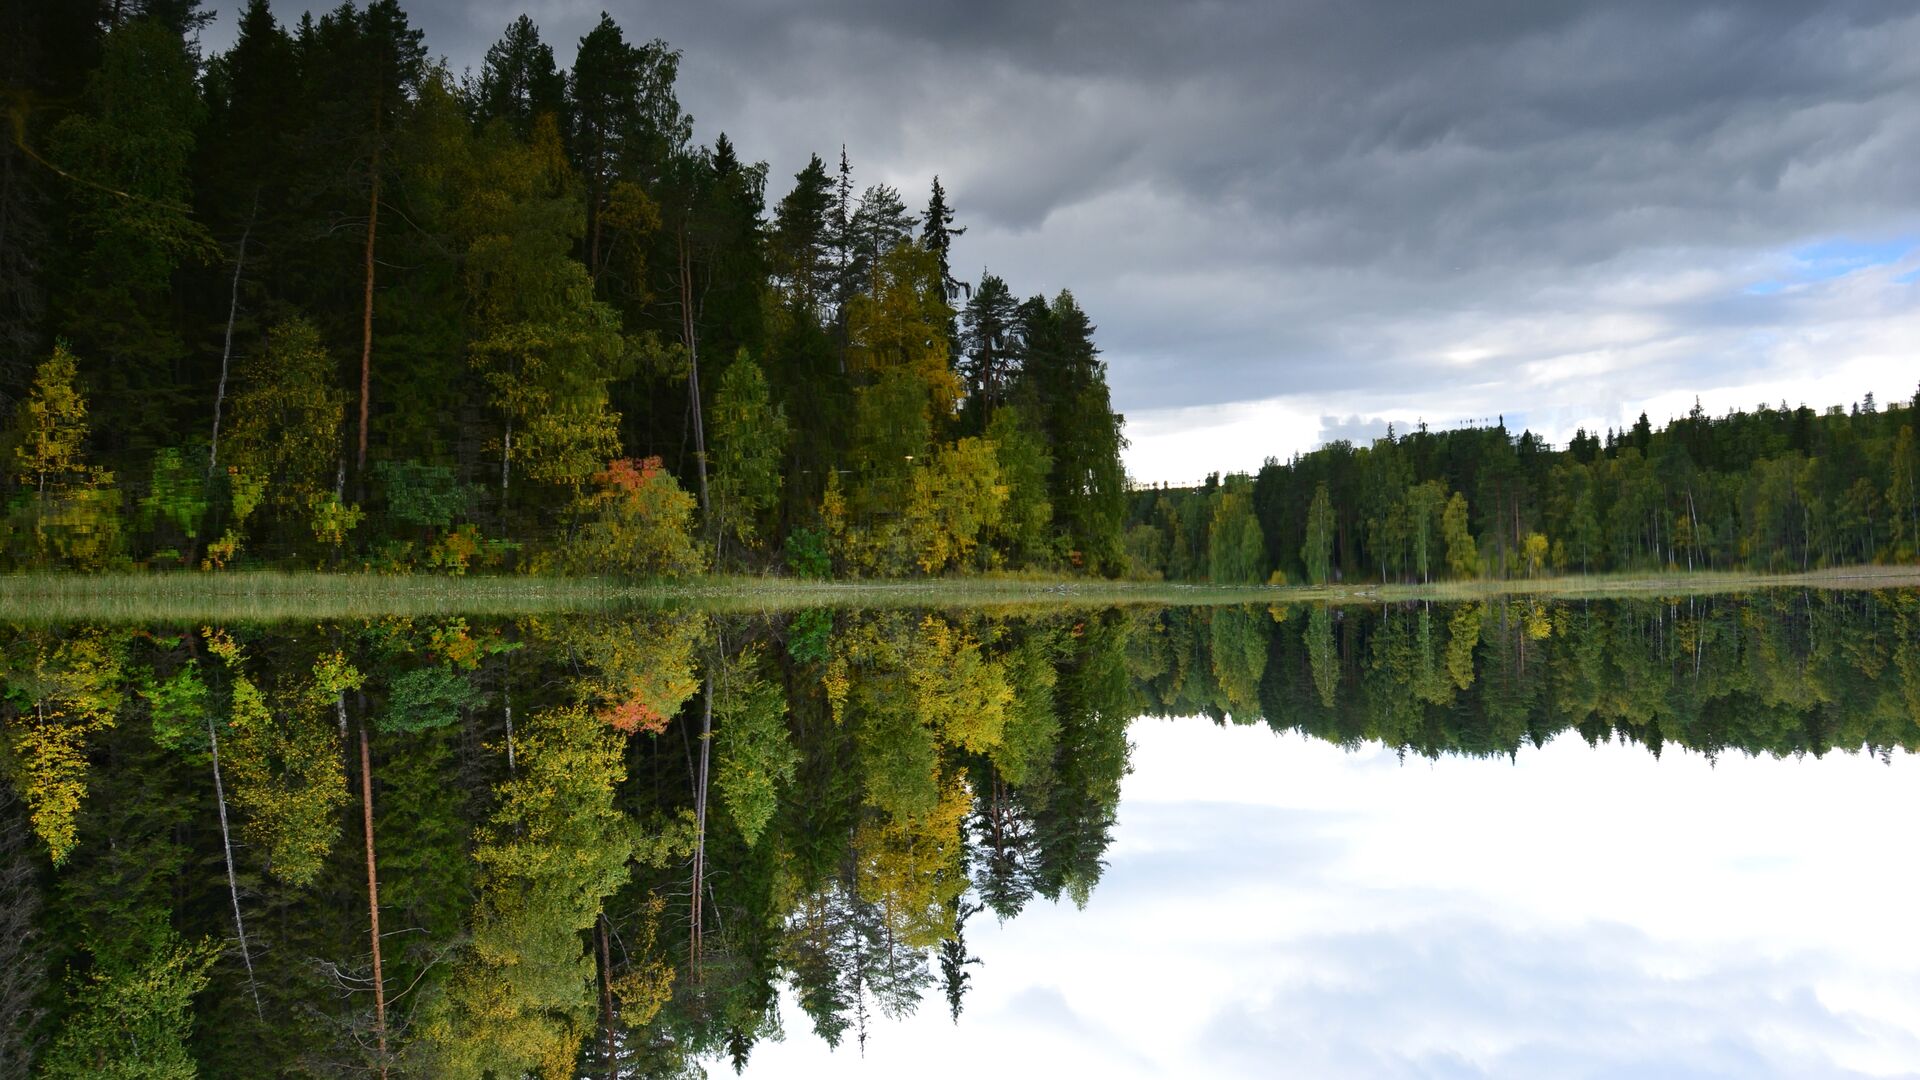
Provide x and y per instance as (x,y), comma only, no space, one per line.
(1772,489)
(318,301)
(190,880)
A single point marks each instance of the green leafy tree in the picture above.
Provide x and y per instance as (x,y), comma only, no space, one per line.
(1235,547)
(1024,533)
(286,761)
(545,348)
(177,497)
(958,500)
(1903,492)
(755,754)
(1463,555)
(1317,552)
(68,690)
(131,1020)
(288,416)
(750,436)
(1425,503)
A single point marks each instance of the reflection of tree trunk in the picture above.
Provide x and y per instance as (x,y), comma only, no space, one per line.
(373,900)
(700,821)
(233,885)
(507,697)
(606,995)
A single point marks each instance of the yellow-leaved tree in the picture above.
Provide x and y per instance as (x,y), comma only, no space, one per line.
(635,521)
(913,866)
(957,501)
(73,687)
(75,511)
(632,672)
(520,999)
(285,757)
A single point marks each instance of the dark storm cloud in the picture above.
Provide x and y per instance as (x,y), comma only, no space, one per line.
(1325,199)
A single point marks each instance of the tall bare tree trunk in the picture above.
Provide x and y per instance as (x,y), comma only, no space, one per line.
(226,350)
(595,211)
(233,884)
(366,316)
(373,899)
(689,335)
(506,459)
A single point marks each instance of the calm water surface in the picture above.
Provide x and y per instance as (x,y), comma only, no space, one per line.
(1514,838)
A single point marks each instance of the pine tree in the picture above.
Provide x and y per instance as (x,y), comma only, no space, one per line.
(518,80)
(880,223)
(990,345)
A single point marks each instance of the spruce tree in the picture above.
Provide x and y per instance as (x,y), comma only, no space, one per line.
(937,233)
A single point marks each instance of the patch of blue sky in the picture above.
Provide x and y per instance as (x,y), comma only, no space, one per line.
(1838,257)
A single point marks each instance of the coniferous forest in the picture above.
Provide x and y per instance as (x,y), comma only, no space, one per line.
(317,301)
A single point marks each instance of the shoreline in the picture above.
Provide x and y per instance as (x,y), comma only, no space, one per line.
(267,595)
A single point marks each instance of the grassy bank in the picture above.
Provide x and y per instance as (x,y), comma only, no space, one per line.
(273,596)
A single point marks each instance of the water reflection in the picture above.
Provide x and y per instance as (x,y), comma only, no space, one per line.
(611,843)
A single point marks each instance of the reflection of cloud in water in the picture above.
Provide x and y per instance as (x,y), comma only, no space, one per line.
(1280,906)
(1474,998)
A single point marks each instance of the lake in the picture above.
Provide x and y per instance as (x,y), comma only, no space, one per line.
(1514,837)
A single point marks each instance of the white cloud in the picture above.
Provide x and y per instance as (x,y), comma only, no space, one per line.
(1280,904)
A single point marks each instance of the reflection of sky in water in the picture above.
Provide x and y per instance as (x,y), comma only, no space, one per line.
(1278,906)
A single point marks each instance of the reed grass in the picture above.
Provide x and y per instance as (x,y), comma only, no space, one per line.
(281,596)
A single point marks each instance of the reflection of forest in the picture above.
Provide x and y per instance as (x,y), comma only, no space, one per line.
(187,876)
(1778,673)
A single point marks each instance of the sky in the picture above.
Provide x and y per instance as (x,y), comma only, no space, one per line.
(1275,905)
(1301,221)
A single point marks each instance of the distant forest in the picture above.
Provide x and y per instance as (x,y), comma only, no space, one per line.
(1781,489)
(320,301)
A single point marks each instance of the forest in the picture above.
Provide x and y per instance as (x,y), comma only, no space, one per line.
(318,301)
(1771,490)
(606,844)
